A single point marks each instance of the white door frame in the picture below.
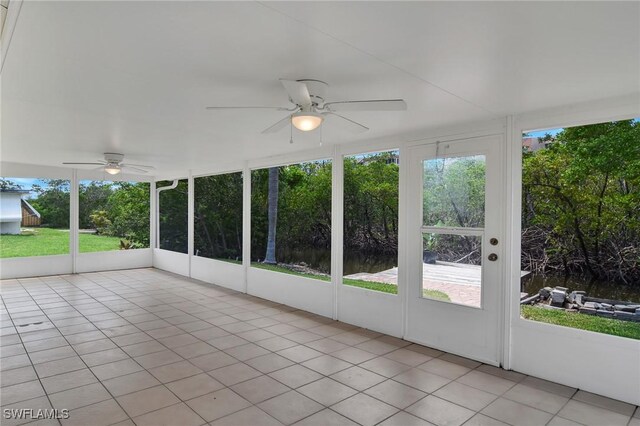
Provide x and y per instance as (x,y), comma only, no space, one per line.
(459,329)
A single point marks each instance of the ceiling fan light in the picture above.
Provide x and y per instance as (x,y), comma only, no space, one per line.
(306,120)
(112,169)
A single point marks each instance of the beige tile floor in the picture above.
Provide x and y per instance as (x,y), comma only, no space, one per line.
(146,347)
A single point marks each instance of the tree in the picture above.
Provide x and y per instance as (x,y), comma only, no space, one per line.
(218,216)
(128,211)
(100,222)
(454,195)
(581,203)
(270,256)
(9,184)
(174,217)
(52,202)
(93,196)
(371,203)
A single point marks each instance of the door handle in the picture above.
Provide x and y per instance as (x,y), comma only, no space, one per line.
(493,257)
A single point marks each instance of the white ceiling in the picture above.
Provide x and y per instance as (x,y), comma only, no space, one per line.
(82,78)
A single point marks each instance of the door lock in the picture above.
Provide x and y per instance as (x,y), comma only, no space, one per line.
(493,257)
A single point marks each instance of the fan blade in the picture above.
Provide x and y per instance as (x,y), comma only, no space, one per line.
(86,164)
(369,105)
(346,123)
(134,168)
(278,126)
(142,166)
(298,92)
(248,107)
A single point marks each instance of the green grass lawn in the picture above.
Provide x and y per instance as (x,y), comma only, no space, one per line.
(436,295)
(277,268)
(582,321)
(48,241)
(91,242)
(369,285)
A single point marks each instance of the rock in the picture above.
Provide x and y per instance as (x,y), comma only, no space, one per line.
(623,315)
(604,313)
(626,308)
(545,293)
(531,300)
(588,311)
(558,297)
(576,296)
(429,257)
(591,305)
(606,306)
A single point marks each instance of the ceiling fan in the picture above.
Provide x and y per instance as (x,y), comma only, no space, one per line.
(113,164)
(309,108)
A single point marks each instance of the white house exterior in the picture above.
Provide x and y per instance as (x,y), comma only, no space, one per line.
(11,210)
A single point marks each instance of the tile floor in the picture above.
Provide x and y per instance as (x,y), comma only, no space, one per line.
(146,347)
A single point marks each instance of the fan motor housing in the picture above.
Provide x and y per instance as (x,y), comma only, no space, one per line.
(112,157)
(317,89)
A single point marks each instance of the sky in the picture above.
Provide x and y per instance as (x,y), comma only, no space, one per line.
(553,132)
(27,184)
(541,133)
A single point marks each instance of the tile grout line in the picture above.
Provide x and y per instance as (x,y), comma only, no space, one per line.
(167,296)
(144,369)
(32,364)
(83,361)
(382,355)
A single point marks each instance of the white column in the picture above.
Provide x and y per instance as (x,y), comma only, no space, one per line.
(337,226)
(509,298)
(153,230)
(403,237)
(74,219)
(190,213)
(246,223)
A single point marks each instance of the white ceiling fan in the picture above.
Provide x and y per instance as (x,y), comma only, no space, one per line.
(113,164)
(309,108)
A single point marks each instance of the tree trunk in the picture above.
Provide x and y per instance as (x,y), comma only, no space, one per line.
(200,220)
(596,236)
(223,237)
(270,256)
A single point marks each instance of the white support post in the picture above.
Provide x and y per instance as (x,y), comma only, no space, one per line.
(403,238)
(246,224)
(152,217)
(512,165)
(190,223)
(74,222)
(337,226)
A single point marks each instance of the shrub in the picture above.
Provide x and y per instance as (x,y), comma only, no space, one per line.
(100,221)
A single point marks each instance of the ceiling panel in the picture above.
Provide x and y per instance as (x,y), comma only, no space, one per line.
(508,57)
(82,78)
